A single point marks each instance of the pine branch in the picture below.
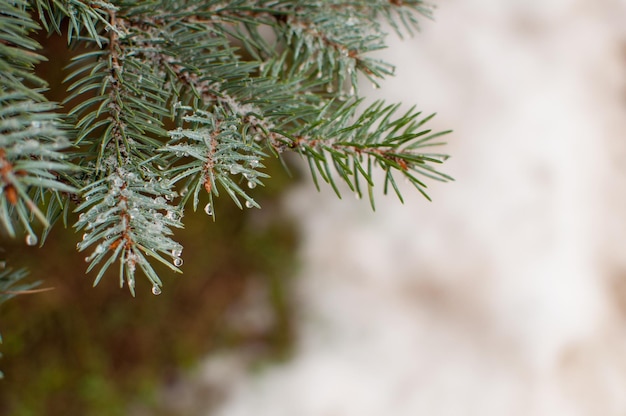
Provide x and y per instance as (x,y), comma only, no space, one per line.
(184,105)
(31,138)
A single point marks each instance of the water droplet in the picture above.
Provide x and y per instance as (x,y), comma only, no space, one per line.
(375,85)
(357,195)
(251,184)
(85,236)
(178,261)
(156,290)
(177,252)
(234,169)
(208,208)
(249,204)
(254,163)
(86,259)
(31,239)
(3,264)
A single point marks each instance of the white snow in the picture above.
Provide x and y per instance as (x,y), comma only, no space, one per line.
(503,296)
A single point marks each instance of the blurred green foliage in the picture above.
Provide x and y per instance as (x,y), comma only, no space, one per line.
(76,350)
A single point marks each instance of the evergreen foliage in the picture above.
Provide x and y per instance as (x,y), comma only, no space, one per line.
(175,103)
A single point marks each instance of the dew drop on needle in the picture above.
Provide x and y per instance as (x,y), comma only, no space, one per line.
(31,239)
(156,290)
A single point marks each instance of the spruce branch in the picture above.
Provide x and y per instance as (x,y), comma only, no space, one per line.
(184,105)
(31,137)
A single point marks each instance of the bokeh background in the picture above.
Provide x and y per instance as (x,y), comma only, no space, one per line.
(506,295)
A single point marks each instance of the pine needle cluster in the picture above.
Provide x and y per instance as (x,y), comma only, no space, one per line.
(176,103)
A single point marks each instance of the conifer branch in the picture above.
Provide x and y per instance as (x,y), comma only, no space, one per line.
(183,106)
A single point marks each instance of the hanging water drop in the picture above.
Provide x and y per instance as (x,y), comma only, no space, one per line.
(31,239)
(177,252)
(208,208)
(249,204)
(156,290)
(178,261)
(251,184)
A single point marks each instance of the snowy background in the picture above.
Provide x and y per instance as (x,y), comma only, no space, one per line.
(507,294)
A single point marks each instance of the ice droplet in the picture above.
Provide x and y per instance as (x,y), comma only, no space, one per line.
(251,184)
(249,204)
(31,239)
(208,208)
(156,290)
(178,261)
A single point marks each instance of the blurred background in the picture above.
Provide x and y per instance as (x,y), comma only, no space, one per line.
(507,294)
(504,296)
